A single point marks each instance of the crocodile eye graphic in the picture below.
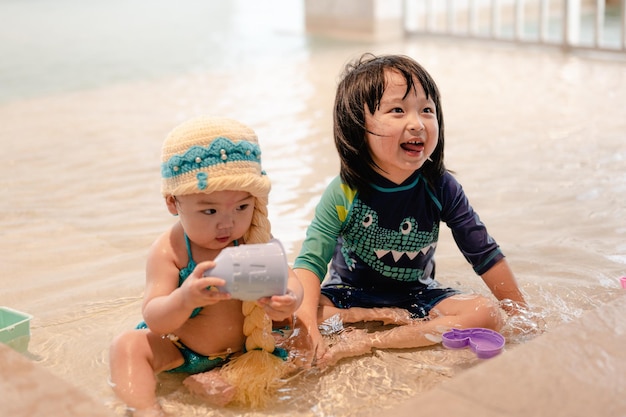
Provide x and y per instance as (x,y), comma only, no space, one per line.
(367,220)
(405,228)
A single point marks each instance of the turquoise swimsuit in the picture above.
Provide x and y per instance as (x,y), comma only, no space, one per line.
(194,362)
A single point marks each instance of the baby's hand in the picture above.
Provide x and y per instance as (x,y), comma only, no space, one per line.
(279,307)
(200,291)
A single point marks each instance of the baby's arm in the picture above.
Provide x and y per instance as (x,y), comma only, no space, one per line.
(502,283)
(166,306)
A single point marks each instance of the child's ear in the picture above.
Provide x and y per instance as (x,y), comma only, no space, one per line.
(170,202)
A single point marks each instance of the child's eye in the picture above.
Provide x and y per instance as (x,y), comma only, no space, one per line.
(243,207)
(397,110)
(429,110)
(209,211)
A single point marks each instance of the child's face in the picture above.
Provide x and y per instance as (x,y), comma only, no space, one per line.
(214,220)
(406,129)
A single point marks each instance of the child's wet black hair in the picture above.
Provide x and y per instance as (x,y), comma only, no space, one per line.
(361,88)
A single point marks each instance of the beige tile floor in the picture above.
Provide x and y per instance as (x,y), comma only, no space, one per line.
(536,379)
(533,379)
(29,390)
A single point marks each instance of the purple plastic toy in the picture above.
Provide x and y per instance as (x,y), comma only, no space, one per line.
(485,343)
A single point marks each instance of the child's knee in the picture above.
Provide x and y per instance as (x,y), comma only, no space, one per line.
(127,344)
(489,313)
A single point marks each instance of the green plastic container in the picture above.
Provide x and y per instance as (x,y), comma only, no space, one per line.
(15,328)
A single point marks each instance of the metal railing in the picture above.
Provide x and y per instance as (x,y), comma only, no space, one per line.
(570,24)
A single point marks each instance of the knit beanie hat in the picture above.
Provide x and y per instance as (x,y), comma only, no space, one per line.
(208,154)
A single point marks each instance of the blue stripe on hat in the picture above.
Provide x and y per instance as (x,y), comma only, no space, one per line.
(221,150)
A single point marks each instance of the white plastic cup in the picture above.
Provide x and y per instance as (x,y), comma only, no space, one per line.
(252,271)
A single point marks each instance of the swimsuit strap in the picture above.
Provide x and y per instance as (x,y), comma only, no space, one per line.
(188,245)
(186,271)
(191,264)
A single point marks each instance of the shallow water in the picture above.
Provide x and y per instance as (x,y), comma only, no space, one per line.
(535,136)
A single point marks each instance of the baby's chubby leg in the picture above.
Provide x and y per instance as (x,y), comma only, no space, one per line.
(136,356)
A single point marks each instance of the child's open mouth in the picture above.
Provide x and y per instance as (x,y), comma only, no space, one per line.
(413,146)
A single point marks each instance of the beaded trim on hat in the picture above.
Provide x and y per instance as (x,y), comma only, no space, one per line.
(221,150)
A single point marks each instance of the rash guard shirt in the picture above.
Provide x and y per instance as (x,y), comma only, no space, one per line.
(388,239)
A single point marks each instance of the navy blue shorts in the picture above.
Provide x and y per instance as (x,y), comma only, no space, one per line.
(418,302)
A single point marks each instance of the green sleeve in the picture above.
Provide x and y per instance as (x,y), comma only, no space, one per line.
(321,236)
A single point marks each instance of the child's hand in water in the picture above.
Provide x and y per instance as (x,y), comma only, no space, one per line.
(279,307)
(200,291)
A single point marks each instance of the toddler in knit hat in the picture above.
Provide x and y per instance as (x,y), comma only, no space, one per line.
(213,181)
